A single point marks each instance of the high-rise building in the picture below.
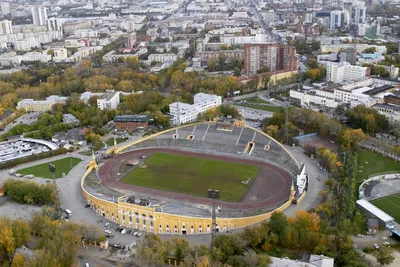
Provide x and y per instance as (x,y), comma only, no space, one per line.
(130,40)
(6,27)
(271,55)
(39,16)
(359,13)
(54,24)
(348,55)
(336,19)
(5,8)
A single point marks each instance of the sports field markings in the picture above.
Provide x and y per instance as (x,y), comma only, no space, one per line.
(393,203)
(254,136)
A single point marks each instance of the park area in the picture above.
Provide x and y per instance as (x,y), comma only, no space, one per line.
(193,176)
(257,103)
(373,163)
(390,205)
(42,170)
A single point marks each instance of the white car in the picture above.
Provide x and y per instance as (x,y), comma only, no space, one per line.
(107,231)
(139,234)
(376,246)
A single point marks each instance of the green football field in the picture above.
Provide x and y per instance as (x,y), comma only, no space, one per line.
(42,170)
(192,175)
(390,205)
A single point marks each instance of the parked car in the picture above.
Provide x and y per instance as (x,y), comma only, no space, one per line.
(123,231)
(80,257)
(106,224)
(107,231)
(110,236)
(139,234)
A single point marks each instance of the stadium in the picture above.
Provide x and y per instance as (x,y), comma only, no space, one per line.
(159,183)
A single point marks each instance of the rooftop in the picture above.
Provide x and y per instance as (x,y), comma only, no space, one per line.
(132,118)
(383,216)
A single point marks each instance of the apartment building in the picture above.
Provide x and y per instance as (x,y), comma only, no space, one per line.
(41,105)
(6,27)
(39,16)
(110,100)
(344,71)
(184,113)
(205,56)
(71,26)
(163,58)
(271,55)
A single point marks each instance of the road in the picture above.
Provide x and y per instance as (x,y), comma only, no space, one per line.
(71,198)
(254,6)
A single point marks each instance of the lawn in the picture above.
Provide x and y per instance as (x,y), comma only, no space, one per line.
(110,141)
(62,166)
(254,99)
(371,163)
(390,205)
(193,176)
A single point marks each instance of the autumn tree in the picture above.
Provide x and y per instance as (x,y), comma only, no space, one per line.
(151,250)
(211,64)
(21,232)
(19,260)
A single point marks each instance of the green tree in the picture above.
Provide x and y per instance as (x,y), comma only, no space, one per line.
(222,59)
(385,256)
(151,250)
(226,246)
(21,232)
(211,64)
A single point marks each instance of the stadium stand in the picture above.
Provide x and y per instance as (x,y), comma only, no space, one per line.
(208,138)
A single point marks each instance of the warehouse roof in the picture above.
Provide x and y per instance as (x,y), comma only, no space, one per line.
(132,118)
(383,216)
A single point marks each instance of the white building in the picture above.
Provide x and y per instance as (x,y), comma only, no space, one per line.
(394,72)
(6,27)
(39,15)
(54,24)
(41,105)
(184,113)
(59,54)
(86,33)
(112,56)
(163,58)
(336,19)
(344,71)
(5,8)
(110,100)
(392,112)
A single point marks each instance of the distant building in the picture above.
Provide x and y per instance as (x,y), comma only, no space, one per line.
(109,100)
(54,24)
(163,58)
(313,261)
(41,105)
(6,27)
(184,113)
(348,55)
(344,71)
(336,19)
(273,56)
(130,40)
(131,122)
(5,8)
(394,72)
(39,16)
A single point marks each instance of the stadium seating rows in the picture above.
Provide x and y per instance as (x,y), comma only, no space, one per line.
(220,141)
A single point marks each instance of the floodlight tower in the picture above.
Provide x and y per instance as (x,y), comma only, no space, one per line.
(57,205)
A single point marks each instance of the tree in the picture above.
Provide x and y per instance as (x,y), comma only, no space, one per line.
(226,246)
(222,59)
(19,260)
(43,258)
(151,250)
(7,241)
(385,256)
(312,63)
(211,64)
(21,232)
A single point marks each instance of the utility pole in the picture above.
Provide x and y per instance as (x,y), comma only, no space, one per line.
(57,205)
(213,194)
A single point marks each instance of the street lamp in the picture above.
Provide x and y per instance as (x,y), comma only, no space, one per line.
(213,194)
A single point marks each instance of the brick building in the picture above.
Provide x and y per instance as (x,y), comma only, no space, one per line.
(131,122)
(392,99)
(271,55)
